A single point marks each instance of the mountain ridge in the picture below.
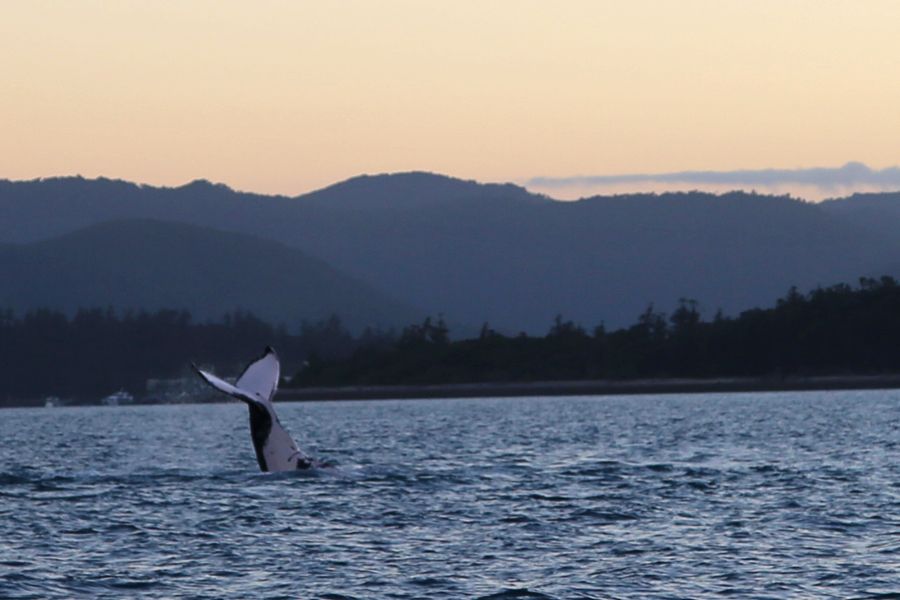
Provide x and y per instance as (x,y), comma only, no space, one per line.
(497,253)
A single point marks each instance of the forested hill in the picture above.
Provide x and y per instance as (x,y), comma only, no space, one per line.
(153,265)
(475,252)
(838,330)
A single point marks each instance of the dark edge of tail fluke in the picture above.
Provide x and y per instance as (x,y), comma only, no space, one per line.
(199,373)
(268,350)
(196,370)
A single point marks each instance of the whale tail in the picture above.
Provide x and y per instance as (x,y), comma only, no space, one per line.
(256,386)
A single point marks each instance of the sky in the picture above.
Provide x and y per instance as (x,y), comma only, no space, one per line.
(289,96)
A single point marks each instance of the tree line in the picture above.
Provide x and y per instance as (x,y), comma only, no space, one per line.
(98,351)
(834,330)
(829,331)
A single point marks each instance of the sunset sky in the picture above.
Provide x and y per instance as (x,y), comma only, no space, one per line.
(285,97)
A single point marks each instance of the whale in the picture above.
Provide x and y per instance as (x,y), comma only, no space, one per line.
(256,386)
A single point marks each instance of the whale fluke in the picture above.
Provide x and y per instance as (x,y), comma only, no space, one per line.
(256,386)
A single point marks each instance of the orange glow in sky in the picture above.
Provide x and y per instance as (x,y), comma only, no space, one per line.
(285,96)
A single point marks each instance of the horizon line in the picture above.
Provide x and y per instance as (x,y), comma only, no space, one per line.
(844,181)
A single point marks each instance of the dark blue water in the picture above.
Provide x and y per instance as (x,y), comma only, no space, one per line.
(744,495)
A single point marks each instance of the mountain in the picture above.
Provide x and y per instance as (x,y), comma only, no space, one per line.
(43,208)
(879,213)
(150,264)
(497,253)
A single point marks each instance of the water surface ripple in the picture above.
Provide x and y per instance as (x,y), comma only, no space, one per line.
(692,496)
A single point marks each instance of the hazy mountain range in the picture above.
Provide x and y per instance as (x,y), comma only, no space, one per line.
(148,264)
(389,249)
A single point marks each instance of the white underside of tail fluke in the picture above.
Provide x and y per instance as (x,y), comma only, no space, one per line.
(227,388)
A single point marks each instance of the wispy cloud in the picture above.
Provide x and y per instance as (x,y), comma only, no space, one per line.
(816,182)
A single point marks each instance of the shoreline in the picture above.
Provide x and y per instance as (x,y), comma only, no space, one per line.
(602,387)
(592,388)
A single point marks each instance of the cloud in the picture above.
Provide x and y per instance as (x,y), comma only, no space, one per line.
(818,182)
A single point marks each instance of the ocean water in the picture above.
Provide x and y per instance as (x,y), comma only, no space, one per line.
(687,496)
